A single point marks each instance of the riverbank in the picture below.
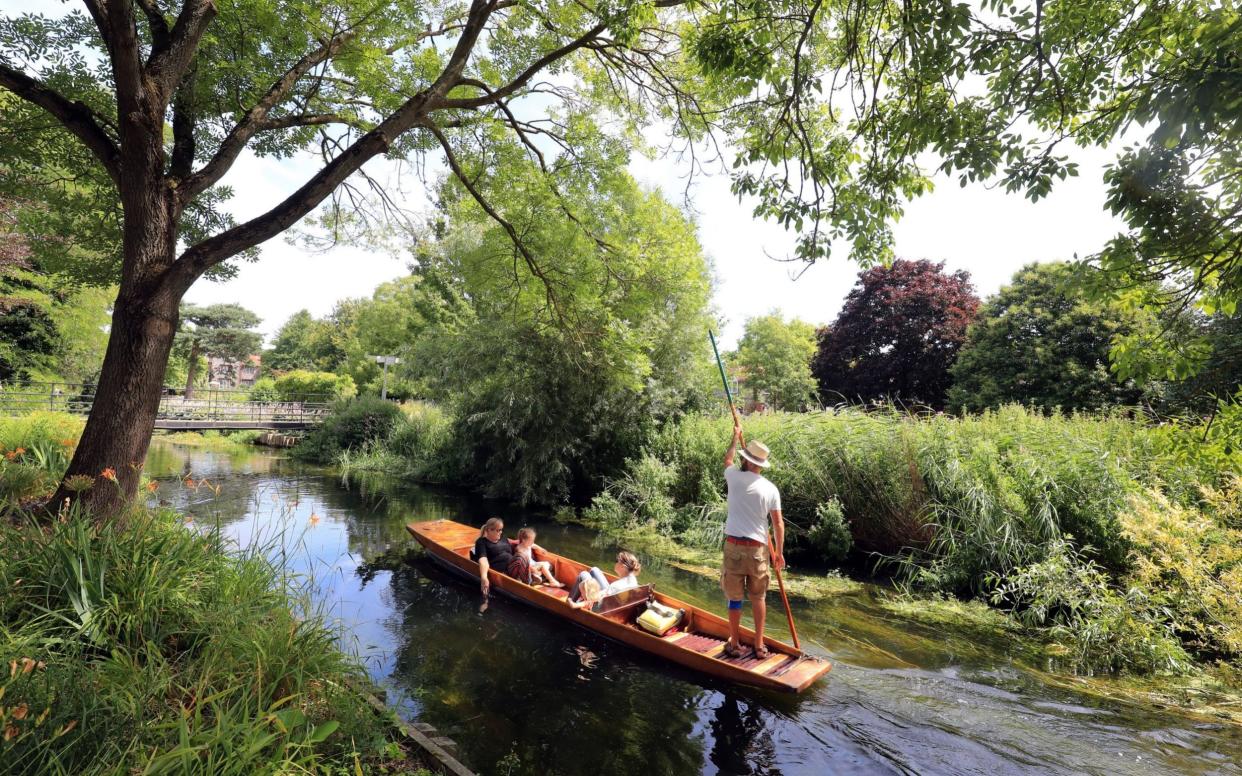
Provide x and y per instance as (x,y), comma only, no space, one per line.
(148,644)
(145,646)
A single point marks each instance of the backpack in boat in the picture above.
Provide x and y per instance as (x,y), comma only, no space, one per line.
(660,619)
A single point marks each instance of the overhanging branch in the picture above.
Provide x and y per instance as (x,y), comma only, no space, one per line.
(76,117)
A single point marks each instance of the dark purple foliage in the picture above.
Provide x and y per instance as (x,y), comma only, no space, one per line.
(897,335)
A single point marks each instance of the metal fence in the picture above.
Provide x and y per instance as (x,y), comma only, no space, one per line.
(205,408)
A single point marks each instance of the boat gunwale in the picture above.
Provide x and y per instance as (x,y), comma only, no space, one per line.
(457,557)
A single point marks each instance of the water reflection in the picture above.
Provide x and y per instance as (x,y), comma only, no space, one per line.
(523,693)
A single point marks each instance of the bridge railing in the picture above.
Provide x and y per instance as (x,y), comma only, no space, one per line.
(216,405)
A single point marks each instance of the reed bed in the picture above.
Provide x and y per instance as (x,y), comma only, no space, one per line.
(1065,521)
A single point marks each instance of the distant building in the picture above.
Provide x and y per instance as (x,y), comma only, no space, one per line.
(223,373)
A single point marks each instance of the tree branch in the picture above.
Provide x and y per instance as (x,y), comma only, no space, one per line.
(517,83)
(252,122)
(185,116)
(517,241)
(167,65)
(76,117)
(160,30)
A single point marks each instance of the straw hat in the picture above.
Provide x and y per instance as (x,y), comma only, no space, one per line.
(756,453)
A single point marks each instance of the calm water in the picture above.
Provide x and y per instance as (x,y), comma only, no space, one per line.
(524,693)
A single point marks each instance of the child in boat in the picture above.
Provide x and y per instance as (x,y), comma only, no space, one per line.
(590,593)
(539,569)
(626,568)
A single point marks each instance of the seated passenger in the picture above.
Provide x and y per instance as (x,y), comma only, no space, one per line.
(590,594)
(493,551)
(539,569)
(626,568)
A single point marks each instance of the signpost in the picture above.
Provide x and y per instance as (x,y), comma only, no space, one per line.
(385,360)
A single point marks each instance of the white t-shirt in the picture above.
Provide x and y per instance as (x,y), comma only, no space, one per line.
(624,583)
(751,498)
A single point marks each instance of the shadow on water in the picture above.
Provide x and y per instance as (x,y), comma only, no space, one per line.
(522,692)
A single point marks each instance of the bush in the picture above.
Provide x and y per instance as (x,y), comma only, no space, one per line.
(830,534)
(1191,562)
(424,441)
(264,389)
(301,385)
(352,425)
(1106,630)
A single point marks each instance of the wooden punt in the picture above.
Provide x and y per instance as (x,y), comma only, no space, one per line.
(697,643)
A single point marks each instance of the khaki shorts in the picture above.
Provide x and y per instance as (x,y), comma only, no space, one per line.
(745,570)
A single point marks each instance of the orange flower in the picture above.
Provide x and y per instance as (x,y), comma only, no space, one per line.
(10,455)
(20,450)
(68,442)
(190,483)
(152,486)
(108,474)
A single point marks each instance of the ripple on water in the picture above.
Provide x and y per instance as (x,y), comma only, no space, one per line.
(509,682)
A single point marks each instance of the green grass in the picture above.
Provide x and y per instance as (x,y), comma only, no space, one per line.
(1118,539)
(148,648)
(211,439)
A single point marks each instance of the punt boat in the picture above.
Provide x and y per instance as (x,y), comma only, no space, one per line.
(698,642)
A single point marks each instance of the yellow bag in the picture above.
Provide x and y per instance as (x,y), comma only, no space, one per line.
(660,619)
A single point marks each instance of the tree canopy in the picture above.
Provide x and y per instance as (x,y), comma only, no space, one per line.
(220,330)
(1044,341)
(553,380)
(776,355)
(833,114)
(897,334)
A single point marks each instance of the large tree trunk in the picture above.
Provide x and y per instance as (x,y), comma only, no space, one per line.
(114,443)
(191,370)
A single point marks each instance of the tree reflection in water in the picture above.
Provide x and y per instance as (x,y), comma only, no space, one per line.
(515,681)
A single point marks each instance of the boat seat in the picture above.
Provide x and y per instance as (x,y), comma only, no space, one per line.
(559,592)
(627,604)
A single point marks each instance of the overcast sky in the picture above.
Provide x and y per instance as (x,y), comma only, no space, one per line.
(987,232)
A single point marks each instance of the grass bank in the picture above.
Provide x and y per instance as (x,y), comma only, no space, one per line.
(1104,535)
(145,646)
(211,439)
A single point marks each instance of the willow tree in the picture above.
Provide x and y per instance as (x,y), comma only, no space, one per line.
(830,110)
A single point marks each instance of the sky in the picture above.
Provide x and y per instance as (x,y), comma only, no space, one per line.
(987,232)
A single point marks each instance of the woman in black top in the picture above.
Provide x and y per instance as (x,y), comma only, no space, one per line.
(492,550)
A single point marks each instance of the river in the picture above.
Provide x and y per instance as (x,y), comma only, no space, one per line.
(521,692)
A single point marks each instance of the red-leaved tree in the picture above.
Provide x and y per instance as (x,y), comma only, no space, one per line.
(897,335)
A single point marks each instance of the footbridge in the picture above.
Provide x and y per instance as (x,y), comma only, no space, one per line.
(206,408)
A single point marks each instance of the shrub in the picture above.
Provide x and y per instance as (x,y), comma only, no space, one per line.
(1191,561)
(352,425)
(1106,630)
(264,389)
(301,385)
(424,441)
(830,534)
